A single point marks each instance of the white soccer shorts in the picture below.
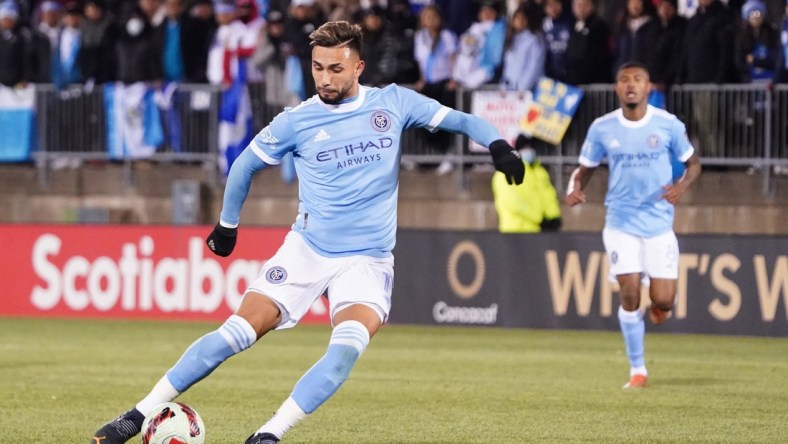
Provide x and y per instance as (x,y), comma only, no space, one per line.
(296,276)
(655,257)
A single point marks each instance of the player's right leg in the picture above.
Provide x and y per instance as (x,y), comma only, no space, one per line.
(256,316)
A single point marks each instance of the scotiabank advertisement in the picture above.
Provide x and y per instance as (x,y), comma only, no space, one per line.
(143,272)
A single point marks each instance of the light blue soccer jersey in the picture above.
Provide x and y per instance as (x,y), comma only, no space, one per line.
(639,157)
(347,157)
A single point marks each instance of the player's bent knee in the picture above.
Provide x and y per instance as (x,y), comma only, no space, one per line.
(260,312)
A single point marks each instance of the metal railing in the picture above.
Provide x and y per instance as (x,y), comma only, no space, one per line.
(730,125)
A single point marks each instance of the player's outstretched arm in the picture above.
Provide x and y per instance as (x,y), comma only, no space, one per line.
(505,158)
(225,234)
(674,192)
(577,183)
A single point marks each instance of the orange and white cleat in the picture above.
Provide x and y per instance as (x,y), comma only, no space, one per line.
(636,382)
(657,315)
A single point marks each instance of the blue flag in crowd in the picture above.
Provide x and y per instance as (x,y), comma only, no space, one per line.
(134,128)
(236,128)
(17,123)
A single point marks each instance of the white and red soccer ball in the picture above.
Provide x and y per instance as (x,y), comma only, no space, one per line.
(173,423)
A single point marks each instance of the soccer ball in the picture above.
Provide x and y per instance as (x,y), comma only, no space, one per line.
(173,423)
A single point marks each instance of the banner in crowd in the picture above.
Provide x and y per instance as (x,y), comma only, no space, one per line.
(17,123)
(150,272)
(502,110)
(550,112)
(134,128)
(730,285)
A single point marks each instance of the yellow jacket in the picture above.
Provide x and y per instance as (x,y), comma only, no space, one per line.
(522,208)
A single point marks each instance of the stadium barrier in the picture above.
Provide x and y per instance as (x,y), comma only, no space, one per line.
(728,285)
(730,125)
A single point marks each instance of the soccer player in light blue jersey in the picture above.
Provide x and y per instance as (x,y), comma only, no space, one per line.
(346,144)
(638,141)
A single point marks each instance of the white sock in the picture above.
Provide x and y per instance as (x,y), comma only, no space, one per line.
(162,392)
(288,415)
(638,371)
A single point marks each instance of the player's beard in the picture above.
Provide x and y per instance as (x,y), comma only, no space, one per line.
(339,97)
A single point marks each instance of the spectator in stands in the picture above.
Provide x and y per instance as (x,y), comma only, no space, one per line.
(458,14)
(707,58)
(251,33)
(532,206)
(139,57)
(481,49)
(270,57)
(588,50)
(402,16)
(636,33)
(334,10)
(44,37)
(181,39)
(202,25)
(66,55)
(665,61)
(50,13)
(302,18)
(536,8)
(708,44)
(14,49)
(782,68)
(387,52)
(557,27)
(435,49)
(99,36)
(757,45)
(524,51)
(222,64)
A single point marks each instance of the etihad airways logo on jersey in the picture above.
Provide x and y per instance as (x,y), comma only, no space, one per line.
(355,153)
(628,157)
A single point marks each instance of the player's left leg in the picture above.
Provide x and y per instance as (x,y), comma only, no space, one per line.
(360,298)
(633,329)
(661,261)
(624,253)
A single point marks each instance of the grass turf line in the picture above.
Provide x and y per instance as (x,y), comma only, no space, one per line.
(61,379)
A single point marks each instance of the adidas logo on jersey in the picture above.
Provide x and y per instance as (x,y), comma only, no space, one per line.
(321,136)
(615,144)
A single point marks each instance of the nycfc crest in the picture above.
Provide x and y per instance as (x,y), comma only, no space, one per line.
(380,121)
(276,275)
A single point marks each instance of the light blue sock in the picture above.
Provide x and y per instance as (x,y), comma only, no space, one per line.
(206,353)
(634,330)
(348,341)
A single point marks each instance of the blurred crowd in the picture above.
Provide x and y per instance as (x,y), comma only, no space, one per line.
(434,45)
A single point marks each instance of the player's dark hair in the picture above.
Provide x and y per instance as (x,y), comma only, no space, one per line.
(637,65)
(337,34)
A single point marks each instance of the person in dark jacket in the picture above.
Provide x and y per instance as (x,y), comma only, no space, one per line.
(665,61)
(708,44)
(139,57)
(636,33)
(588,50)
(14,47)
(99,36)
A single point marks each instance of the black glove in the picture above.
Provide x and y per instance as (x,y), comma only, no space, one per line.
(222,240)
(507,160)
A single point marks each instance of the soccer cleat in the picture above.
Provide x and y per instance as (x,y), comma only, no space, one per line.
(120,429)
(262,438)
(636,381)
(657,315)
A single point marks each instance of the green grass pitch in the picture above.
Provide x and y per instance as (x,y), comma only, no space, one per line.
(61,379)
